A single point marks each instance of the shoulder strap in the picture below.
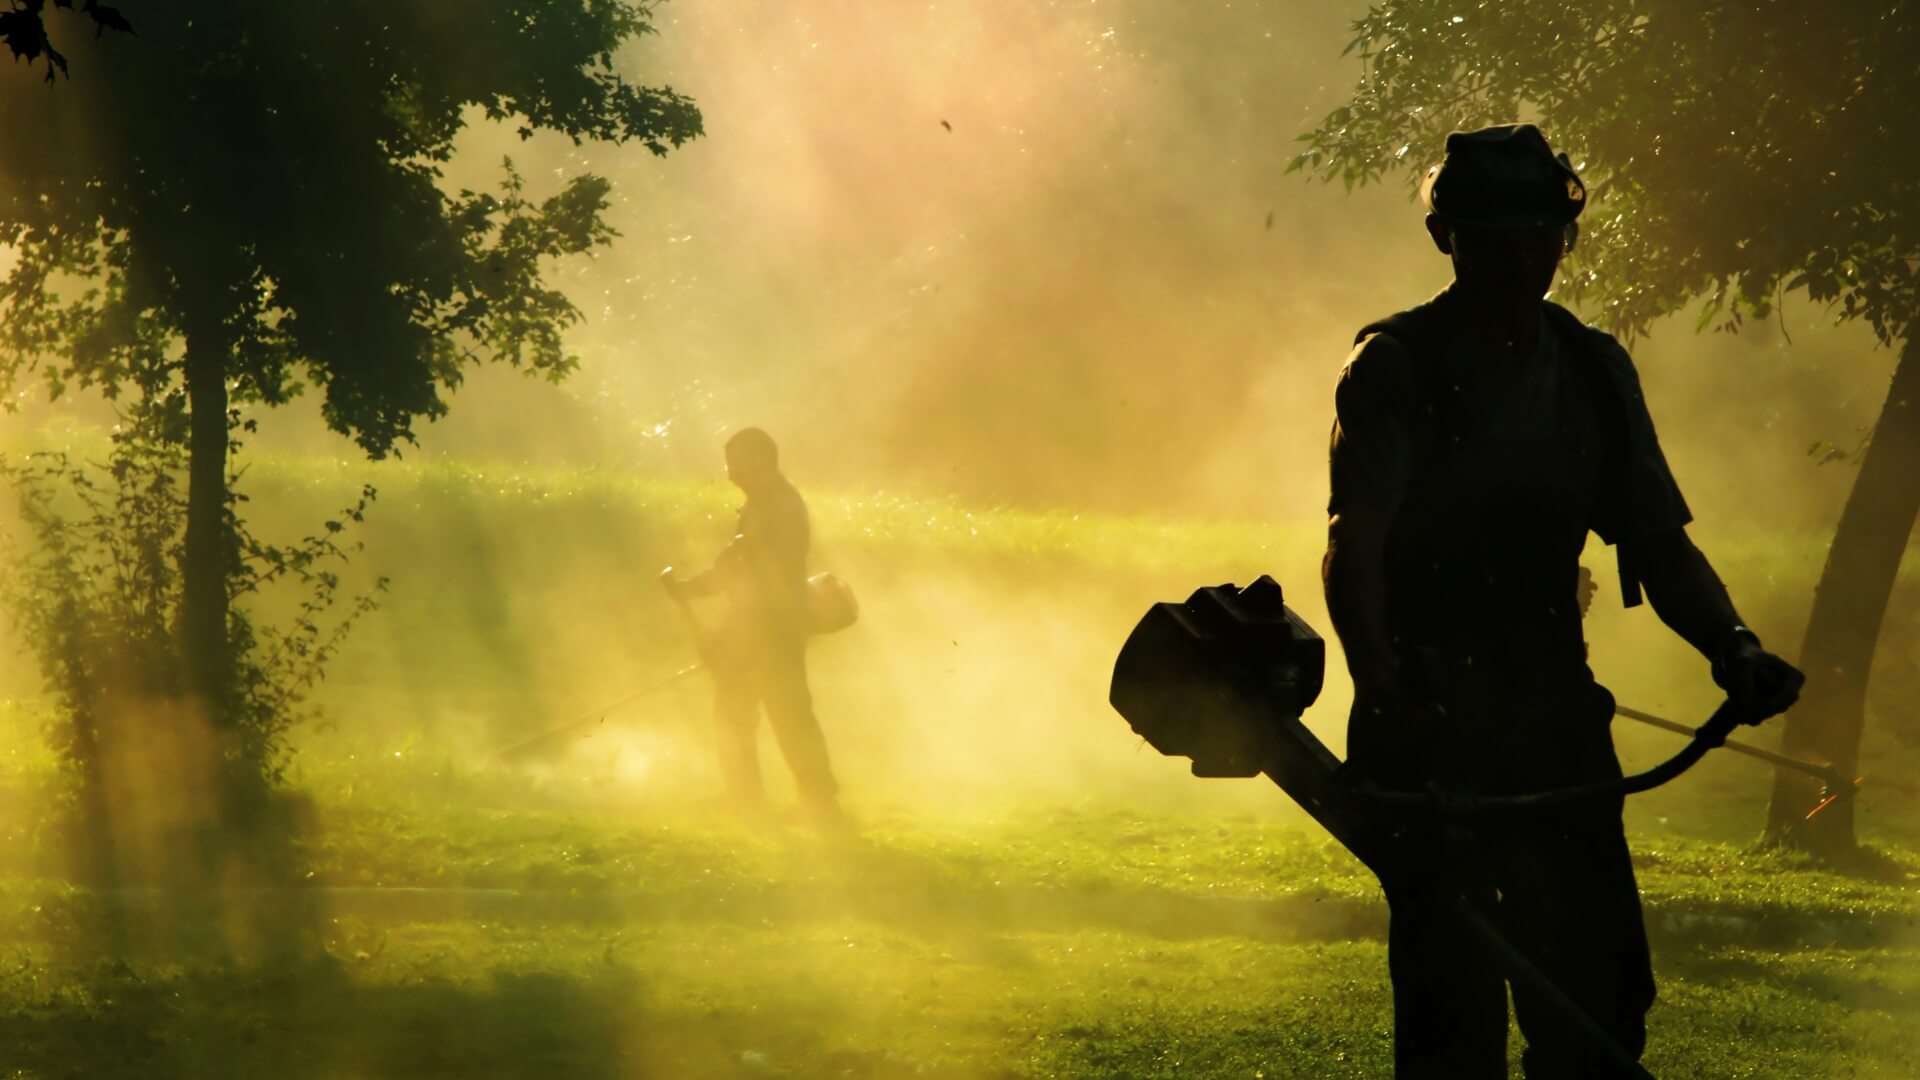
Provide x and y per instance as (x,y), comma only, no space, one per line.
(1412,327)
(1592,356)
(1416,331)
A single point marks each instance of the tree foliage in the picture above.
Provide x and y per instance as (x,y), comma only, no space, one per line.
(249,200)
(24,29)
(1733,150)
(97,597)
(271,174)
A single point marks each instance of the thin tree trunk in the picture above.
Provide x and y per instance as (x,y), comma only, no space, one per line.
(203,602)
(1848,609)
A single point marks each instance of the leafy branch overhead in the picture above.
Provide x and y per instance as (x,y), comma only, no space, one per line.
(24,29)
(270,177)
(249,202)
(1773,161)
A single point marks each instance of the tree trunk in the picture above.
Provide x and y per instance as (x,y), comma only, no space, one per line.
(203,602)
(1848,608)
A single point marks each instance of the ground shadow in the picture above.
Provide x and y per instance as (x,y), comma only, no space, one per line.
(321,1022)
(326,1021)
(1840,981)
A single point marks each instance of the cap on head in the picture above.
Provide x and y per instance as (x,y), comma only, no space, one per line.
(1503,177)
(754,445)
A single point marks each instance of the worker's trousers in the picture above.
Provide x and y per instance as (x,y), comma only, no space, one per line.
(770,674)
(1562,890)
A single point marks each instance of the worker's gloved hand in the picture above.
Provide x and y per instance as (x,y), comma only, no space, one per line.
(1758,683)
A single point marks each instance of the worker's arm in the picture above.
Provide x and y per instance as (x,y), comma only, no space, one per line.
(1689,597)
(1648,519)
(1354,576)
(707,582)
(715,578)
(1684,590)
(1370,461)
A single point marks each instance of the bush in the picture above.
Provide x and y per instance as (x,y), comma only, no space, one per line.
(97,593)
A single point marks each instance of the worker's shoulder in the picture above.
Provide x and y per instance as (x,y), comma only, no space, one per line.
(1572,327)
(790,500)
(1598,346)
(1390,347)
(1380,362)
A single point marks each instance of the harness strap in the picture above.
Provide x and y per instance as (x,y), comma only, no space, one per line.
(1434,393)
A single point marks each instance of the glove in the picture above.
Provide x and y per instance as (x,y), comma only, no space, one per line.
(1759,684)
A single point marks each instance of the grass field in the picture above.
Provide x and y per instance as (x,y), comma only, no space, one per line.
(470,923)
(470,928)
(1028,894)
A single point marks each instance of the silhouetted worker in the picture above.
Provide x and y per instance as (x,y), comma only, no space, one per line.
(759,655)
(1479,437)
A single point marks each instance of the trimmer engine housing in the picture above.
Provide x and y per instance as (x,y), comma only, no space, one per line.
(1222,679)
(1193,676)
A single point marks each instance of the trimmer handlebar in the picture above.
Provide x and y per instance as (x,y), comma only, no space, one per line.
(1457,803)
(1223,679)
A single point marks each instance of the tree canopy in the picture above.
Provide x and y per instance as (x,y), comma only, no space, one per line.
(1733,150)
(248,199)
(270,174)
(24,30)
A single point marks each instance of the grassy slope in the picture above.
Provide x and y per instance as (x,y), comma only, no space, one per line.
(1061,942)
(780,954)
(517,591)
(462,841)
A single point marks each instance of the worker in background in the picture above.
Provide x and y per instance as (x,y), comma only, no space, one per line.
(758,656)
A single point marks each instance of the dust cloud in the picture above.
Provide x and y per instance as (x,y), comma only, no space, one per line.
(1036,258)
(1048,257)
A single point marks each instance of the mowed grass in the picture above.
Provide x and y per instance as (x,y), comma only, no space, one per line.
(847,999)
(691,947)
(470,925)
(1081,852)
